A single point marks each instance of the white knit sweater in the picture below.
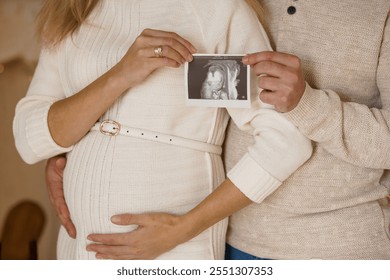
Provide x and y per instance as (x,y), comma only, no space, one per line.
(110,175)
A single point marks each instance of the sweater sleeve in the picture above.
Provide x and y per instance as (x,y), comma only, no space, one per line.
(31,132)
(350,131)
(279,147)
(278,150)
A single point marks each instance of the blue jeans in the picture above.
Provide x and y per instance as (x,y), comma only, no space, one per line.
(232,253)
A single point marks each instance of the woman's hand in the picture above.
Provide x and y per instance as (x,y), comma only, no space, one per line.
(151,50)
(156,233)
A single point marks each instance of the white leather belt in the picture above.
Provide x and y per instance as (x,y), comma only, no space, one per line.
(113,128)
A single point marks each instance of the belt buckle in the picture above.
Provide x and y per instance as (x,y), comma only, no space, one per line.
(114,128)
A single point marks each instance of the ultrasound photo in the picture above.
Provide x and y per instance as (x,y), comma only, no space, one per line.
(217,81)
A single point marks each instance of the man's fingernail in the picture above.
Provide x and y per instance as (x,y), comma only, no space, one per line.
(245,59)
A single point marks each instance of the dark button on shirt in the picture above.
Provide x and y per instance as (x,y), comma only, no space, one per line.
(291,10)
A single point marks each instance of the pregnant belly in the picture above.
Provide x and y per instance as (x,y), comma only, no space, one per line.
(105,176)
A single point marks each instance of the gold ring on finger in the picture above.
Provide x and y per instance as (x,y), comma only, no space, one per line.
(158,51)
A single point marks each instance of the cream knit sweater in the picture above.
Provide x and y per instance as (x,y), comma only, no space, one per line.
(331,208)
(110,175)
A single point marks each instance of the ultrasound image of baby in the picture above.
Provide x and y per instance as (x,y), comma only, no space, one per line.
(221,80)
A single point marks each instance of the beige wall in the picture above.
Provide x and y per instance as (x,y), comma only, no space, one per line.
(18,54)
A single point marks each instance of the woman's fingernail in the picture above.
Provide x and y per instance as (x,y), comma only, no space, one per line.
(115,219)
(189,58)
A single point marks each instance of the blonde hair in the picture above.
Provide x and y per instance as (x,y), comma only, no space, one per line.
(60,18)
(255,5)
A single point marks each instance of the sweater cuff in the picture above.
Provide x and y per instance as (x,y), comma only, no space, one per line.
(307,108)
(252,180)
(38,135)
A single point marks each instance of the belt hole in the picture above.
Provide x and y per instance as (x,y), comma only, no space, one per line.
(127,131)
(170,140)
(156,136)
(142,134)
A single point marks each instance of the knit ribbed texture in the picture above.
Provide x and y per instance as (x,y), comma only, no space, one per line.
(248,168)
(112,175)
(37,143)
(329,208)
(38,133)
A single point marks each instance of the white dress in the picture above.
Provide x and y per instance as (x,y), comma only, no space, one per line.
(108,175)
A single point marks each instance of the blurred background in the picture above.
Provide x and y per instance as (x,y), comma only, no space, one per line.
(19,182)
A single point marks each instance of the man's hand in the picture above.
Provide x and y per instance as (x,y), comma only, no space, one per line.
(156,233)
(280,77)
(54,182)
